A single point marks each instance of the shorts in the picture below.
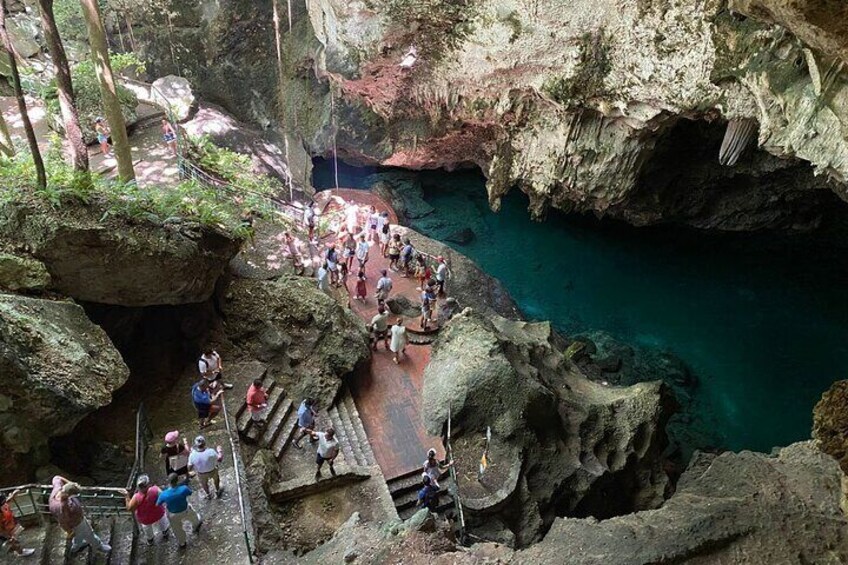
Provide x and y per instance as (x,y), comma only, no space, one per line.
(394,257)
(384,238)
(381,334)
(203,410)
(319,459)
(425,310)
(168,137)
(349,253)
(258,415)
(102,138)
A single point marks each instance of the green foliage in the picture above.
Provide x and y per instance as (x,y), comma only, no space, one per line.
(69,20)
(588,80)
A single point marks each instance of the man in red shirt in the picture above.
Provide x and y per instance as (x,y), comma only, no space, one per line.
(9,527)
(257,402)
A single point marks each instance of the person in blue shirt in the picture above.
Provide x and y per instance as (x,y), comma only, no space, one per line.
(204,402)
(428,496)
(175,499)
(305,419)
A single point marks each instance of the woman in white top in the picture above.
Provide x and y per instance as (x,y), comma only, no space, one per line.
(399,340)
(434,469)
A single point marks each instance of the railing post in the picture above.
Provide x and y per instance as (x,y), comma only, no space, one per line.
(236,464)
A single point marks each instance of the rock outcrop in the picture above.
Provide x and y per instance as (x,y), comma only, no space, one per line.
(22,273)
(567,445)
(93,258)
(55,368)
(830,423)
(305,337)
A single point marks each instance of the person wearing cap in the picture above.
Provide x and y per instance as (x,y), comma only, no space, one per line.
(441,274)
(204,460)
(433,468)
(148,513)
(328,450)
(66,508)
(175,453)
(306,414)
(9,527)
(384,285)
(257,402)
(175,499)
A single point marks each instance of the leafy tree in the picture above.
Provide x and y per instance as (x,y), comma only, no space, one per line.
(108,91)
(64,86)
(19,94)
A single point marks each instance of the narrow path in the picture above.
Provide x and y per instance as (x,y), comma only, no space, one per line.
(388,396)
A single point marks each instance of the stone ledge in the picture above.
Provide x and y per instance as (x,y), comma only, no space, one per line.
(305,486)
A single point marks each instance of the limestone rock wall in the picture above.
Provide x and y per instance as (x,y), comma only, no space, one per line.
(56,366)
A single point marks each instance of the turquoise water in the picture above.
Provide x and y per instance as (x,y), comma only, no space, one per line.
(761,319)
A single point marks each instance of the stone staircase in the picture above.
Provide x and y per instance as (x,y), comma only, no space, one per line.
(281,420)
(404,490)
(53,546)
(354,441)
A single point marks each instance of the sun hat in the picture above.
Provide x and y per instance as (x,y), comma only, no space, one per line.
(172,437)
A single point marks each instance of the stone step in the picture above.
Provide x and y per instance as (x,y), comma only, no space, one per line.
(105,530)
(306,486)
(359,429)
(243,421)
(410,501)
(445,507)
(55,545)
(275,397)
(412,481)
(274,427)
(349,438)
(123,541)
(287,430)
(342,435)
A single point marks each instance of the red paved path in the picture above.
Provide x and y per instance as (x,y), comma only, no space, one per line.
(388,396)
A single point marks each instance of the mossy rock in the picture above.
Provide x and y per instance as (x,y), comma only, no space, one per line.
(22,273)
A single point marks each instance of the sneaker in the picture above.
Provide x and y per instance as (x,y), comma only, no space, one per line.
(318,476)
(105,548)
(332,471)
(220,492)
(166,534)
(197,527)
(26,552)
(228,386)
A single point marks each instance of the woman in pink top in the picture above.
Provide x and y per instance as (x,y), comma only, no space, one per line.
(147,512)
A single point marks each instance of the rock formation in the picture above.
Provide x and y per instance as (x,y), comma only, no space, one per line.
(580,107)
(830,423)
(566,445)
(96,259)
(55,367)
(308,339)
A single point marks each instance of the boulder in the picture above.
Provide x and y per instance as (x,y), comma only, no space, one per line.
(728,509)
(307,339)
(22,273)
(96,258)
(55,368)
(174,94)
(583,448)
(830,423)
(23,31)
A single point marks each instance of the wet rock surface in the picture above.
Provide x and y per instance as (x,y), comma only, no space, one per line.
(55,367)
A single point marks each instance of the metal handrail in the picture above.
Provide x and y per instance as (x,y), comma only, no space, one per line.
(457,501)
(97,501)
(143,435)
(239,486)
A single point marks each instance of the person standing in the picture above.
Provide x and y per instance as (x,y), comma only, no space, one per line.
(380,328)
(148,513)
(352,217)
(204,460)
(383,231)
(393,249)
(293,253)
(373,225)
(102,131)
(257,402)
(428,302)
(204,402)
(399,340)
(332,257)
(441,274)
(420,271)
(306,414)
(169,135)
(406,257)
(175,499)
(175,453)
(362,249)
(428,495)
(328,450)
(211,367)
(309,220)
(67,509)
(349,250)
(361,286)
(434,469)
(9,527)
(324,277)
(384,285)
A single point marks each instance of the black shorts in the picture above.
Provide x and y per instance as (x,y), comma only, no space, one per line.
(203,410)
(381,334)
(320,460)
(394,257)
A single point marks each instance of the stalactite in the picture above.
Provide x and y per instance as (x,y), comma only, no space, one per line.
(739,135)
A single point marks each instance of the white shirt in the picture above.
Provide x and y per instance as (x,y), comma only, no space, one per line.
(209,363)
(352,217)
(323,279)
(362,250)
(203,461)
(441,272)
(327,448)
(385,284)
(399,339)
(308,215)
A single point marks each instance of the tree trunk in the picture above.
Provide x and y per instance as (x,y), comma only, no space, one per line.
(19,94)
(67,103)
(108,92)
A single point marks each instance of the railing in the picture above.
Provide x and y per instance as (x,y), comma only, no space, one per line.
(457,501)
(239,485)
(34,499)
(143,435)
